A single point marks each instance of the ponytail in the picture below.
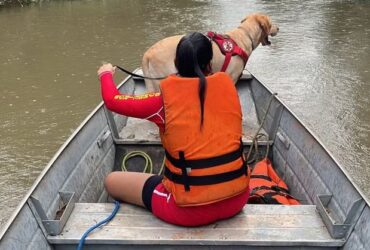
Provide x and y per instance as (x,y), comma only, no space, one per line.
(201,91)
(193,55)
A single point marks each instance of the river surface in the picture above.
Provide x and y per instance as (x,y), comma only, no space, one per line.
(49,54)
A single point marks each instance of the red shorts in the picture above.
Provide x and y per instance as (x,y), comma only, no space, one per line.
(163,206)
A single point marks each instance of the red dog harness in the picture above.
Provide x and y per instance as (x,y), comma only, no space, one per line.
(228,47)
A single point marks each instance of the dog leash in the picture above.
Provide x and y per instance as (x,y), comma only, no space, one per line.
(139,76)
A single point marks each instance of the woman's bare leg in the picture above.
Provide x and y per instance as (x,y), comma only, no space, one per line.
(126,186)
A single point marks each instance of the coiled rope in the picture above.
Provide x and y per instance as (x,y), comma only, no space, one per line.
(148,168)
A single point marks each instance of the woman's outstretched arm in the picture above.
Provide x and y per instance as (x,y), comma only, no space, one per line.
(147,106)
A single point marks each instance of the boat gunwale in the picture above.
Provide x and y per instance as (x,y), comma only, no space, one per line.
(321,144)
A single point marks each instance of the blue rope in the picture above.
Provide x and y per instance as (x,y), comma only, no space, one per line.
(106,220)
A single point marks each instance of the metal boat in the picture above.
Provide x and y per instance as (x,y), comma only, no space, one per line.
(68,197)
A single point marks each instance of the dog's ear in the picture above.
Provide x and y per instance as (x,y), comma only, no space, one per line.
(243,20)
(265,23)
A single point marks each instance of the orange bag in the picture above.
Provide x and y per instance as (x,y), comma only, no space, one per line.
(266,187)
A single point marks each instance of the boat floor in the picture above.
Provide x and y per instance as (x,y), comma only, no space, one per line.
(257,226)
(139,130)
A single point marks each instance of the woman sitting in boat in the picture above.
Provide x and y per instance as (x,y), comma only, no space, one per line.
(200,123)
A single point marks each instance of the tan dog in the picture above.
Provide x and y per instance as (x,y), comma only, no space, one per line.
(158,60)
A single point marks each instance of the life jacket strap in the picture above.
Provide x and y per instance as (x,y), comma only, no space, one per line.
(206,163)
(263,199)
(270,197)
(274,188)
(265,177)
(206,179)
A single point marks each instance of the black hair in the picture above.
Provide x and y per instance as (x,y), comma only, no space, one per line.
(193,56)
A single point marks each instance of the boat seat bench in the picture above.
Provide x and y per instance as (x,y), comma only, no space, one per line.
(256,227)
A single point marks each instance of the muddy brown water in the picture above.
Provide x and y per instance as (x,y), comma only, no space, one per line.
(49,53)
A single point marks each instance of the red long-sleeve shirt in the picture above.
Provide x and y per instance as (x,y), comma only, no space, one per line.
(147,106)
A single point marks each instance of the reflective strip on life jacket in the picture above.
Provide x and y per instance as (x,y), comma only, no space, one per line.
(267,187)
(204,164)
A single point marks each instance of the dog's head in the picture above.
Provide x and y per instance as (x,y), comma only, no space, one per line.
(263,23)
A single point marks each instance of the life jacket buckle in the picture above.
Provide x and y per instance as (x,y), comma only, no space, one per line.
(185,171)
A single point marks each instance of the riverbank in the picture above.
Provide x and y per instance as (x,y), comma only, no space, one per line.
(11,3)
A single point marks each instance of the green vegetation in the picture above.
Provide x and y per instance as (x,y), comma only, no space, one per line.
(17,2)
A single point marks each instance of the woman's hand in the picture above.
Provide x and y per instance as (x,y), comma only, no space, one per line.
(106,67)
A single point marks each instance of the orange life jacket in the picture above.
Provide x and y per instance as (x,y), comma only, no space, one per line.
(203,164)
(267,187)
